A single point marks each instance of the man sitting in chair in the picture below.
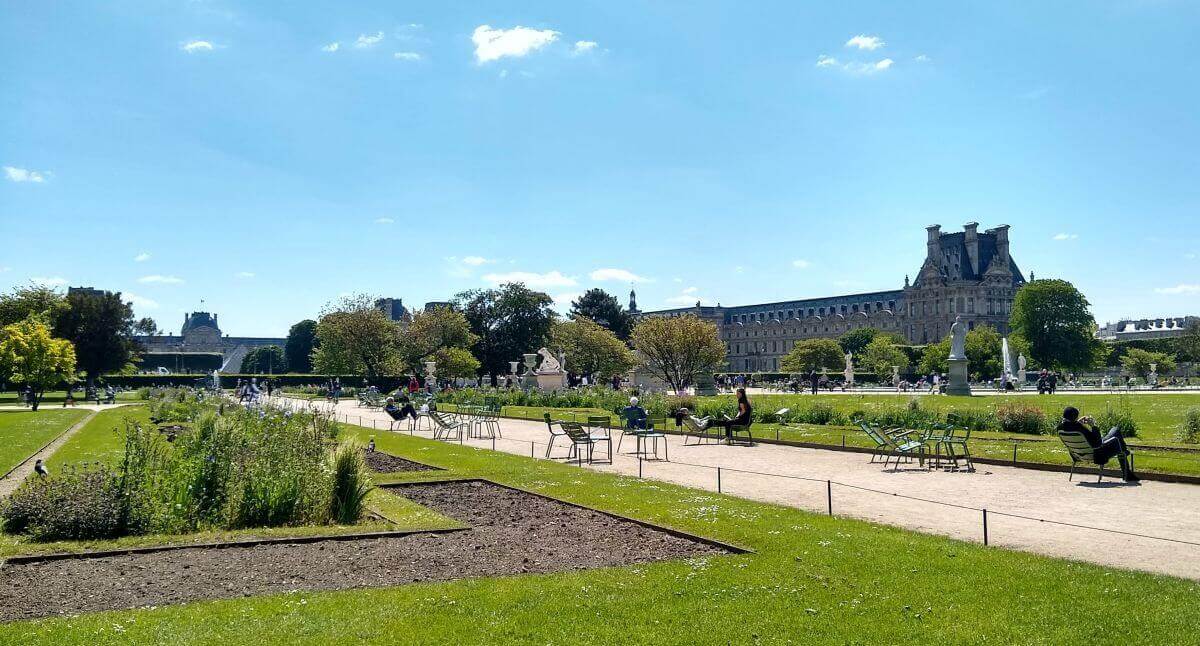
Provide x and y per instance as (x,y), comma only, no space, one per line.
(1105,446)
(400,412)
(634,414)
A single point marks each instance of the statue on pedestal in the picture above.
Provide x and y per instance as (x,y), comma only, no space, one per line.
(958,339)
(957,378)
(849,373)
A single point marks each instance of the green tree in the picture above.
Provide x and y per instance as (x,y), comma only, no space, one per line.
(1189,343)
(936,358)
(356,338)
(984,347)
(100,326)
(881,354)
(1137,362)
(147,326)
(299,346)
(591,349)
(1053,317)
(29,355)
(265,360)
(455,362)
(814,354)
(678,348)
(23,302)
(605,310)
(430,332)
(509,321)
(855,341)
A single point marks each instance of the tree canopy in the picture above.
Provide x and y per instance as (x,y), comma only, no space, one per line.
(435,332)
(1137,362)
(855,341)
(814,354)
(100,326)
(31,356)
(147,326)
(355,337)
(591,349)
(299,346)
(881,354)
(605,310)
(983,346)
(678,348)
(32,300)
(508,321)
(1054,318)
(265,360)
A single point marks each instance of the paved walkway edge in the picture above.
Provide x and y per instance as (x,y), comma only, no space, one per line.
(17,474)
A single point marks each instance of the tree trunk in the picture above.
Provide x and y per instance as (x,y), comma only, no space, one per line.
(37,399)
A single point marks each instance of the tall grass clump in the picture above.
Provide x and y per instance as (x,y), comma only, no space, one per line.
(79,503)
(1019,418)
(1119,417)
(351,484)
(1191,427)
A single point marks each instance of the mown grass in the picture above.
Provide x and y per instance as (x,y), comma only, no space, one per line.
(101,439)
(58,396)
(811,579)
(22,433)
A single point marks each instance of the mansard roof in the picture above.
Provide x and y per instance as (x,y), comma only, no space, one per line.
(955,263)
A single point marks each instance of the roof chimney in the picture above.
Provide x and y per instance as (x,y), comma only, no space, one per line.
(972,241)
(934,244)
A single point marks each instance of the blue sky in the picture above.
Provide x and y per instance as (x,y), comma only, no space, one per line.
(723,151)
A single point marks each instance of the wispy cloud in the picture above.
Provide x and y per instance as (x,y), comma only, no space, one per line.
(687,300)
(15,174)
(366,40)
(493,44)
(830,62)
(196,46)
(801,264)
(245,274)
(140,302)
(332,47)
(691,290)
(384,221)
(584,46)
(1066,236)
(159,279)
(142,257)
(869,43)
(617,275)
(1181,288)
(562,302)
(532,279)
(406,56)
(476,261)
(49,281)
(922,58)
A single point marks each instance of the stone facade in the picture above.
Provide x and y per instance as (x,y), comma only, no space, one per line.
(968,274)
(201,333)
(1158,328)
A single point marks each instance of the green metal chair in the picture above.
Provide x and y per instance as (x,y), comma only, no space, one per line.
(580,437)
(1081,451)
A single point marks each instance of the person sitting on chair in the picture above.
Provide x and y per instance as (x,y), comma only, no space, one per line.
(1105,446)
(400,412)
(634,414)
(744,416)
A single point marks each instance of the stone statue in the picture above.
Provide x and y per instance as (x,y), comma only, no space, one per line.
(958,339)
(1020,368)
(549,363)
(849,373)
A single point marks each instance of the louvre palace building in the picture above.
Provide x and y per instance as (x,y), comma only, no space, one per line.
(966,273)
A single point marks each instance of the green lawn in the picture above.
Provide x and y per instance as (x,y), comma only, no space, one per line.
(812,579)
(57,397)
(101,439)
(22,433)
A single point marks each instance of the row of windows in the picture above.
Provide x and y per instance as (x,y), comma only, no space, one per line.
(960,305)
(852,308)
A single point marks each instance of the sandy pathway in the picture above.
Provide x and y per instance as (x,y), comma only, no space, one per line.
(1158,509)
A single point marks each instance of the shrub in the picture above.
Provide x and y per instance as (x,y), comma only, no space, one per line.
(1191,427)
(1018,418)
(819,413)
(351,484)
(976,420)
(1119,417)
(74,504)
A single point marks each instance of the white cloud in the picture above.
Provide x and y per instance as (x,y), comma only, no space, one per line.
(158,279)
(15,174)
(53,281)
(921,58)
(687,300)
(563,301)
(140,302)
(494,44)
(691,290)
(1066,236)
(677,280)
(245,274)
(883,64)
(869,43)
(618,275)
(583,47)
(1181,288)
(332,47)
(854,67)
(368,41)
(475,261)
(531,279)
(384,220)
(193,46)
(739,269)
(801,264)
(826,61)
(141,257)
(406,56)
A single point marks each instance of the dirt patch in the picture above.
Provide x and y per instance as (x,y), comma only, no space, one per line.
(381,462)
(513,532)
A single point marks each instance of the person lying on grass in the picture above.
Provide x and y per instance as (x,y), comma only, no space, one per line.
(1105,446)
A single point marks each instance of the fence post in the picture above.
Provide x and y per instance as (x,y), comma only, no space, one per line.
(531,448)
(829,495)
(843,440)
(639,466)
(985,535)
(776,433)
(1014,452)
(718,479)
(493,442)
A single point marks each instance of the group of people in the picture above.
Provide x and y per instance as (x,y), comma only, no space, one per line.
(249,391)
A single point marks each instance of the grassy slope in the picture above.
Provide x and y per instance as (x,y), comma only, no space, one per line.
(22,433)
(812,579)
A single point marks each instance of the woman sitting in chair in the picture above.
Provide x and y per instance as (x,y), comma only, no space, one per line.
(744,417)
